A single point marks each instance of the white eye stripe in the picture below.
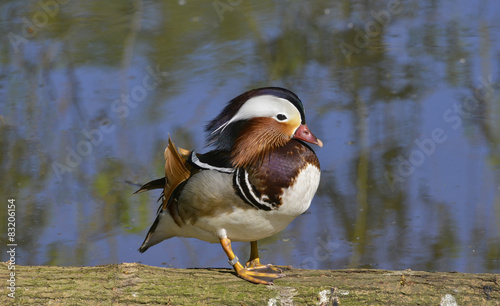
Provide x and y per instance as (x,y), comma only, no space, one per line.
(266,106)
(263,106)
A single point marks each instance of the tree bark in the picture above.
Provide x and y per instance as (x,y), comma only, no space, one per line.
(132,283)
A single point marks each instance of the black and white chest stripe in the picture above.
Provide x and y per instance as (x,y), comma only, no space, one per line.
(248,193)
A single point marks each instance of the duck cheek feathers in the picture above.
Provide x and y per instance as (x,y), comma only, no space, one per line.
(258,138)
(303,133)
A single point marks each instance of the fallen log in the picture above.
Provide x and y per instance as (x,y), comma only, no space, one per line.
(132,283)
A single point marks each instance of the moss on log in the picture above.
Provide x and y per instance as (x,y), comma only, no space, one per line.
(131,283)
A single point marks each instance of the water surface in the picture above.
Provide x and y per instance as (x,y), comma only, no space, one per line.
(404,94)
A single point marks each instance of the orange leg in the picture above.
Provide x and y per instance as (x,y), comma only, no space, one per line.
(254,261)
(251,274)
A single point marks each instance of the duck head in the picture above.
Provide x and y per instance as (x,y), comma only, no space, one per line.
(257,122)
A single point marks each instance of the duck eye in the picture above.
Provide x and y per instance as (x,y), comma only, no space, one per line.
(281,117)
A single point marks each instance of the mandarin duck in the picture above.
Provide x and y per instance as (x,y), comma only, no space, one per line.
(260,176)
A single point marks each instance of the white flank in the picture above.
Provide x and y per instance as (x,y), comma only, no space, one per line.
(237,220)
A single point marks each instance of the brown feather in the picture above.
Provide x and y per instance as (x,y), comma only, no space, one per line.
(160,183)
(257,138)
(176,171)
(281,169)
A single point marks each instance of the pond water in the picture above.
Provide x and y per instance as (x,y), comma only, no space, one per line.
(405,96)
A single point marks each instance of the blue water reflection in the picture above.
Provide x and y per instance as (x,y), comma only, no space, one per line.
(404,95)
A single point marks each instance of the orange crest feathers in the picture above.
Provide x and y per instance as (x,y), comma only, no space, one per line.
(176,170)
